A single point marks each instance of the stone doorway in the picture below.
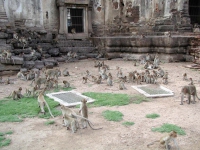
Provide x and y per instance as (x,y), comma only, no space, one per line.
(194,11)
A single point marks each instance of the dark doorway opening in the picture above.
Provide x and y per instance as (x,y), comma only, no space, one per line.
(194,11)
(75,20)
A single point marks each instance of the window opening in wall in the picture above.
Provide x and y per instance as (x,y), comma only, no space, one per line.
(194,11)
(75,20)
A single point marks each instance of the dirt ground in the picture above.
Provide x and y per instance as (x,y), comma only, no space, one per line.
(33,134)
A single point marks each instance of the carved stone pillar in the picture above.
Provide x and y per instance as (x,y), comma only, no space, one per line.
(61,29)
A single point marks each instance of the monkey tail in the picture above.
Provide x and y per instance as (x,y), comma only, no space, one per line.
(197,96)
(92,127)
(49,109)
(152,143)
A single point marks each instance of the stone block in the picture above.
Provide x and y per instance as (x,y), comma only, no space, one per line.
(28,57)
(3,35)
(4,67)
(14,60)
(54,52)
(28,64)
(8,73)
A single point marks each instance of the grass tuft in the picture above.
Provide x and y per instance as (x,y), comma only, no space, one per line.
(168,128)
(128,123)
(108,99)
(137,99)
(3,140)
(112,115)
(152,116)
(49,122)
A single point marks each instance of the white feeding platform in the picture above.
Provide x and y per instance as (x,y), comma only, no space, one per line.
(153,90)
(69,98)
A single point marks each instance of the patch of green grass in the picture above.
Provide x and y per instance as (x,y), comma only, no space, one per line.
(112,115)
(16,110)
(108,99)
(128,123)
(49,122)
(138,98)
(3,140)
(152,116)
(168,128)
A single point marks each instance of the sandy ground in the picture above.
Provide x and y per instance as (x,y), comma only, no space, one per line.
(33,134)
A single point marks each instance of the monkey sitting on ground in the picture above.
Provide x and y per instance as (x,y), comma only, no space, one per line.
(121,85)
(16,94)
(66,84)
(166,139)
(189,90)
(185,76)
(109,80)
(31,92)
(42,102)
(84,80)
(70,122)
(65,72)
(84,113)
(191,81)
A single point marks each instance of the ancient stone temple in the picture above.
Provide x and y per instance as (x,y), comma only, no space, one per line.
(97,28)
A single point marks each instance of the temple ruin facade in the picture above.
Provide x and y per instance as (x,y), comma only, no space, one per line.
(99,28)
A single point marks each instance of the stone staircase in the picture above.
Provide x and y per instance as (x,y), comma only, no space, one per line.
(3,16)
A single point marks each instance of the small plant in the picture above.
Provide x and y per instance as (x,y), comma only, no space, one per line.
(108,99)
(49,122)
(168,128)
(113,115)
(3,140)
(137,99)
(152,116)
(128,123)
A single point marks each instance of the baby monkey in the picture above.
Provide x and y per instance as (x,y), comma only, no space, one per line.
(16,94)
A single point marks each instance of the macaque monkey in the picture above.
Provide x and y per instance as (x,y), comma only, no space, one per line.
(39,49)
(15,35)
(146,65)
(30,75)
(130,76)
(94,79)
(138,78)
(104,65)
(98,81)
(31,92)
(165,78)
(20,75)
(97,63)
(148,57)
(8,55)
(109,80)
(185,76)
(161,73)
(156,62)
(84,80)
(70,122)
(1,80)
(39,81)
(42,102)
(73,31)
(87,73)
(8,81)
(16,94)
(191,81)
(84,113)
(167,34)
(23,41)
(53,73)
(65,72)
(120,73)
(135,63)
(66,84)
(189,90)
(165,140)
(121,85)
(69,112)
